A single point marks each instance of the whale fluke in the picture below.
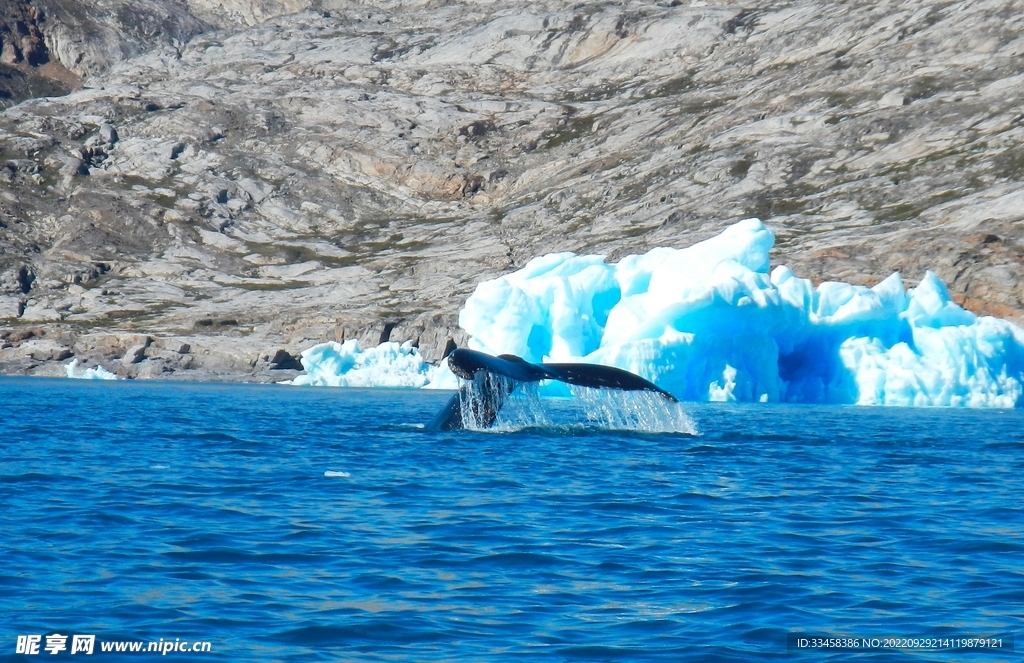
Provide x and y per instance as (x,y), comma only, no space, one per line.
(492,379)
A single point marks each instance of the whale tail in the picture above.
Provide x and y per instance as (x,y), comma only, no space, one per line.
(492,379)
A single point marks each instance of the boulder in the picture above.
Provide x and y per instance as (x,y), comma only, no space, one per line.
(10,307)
(134,354)
(46,350)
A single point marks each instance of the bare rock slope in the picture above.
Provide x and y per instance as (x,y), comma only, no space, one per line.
(259,180)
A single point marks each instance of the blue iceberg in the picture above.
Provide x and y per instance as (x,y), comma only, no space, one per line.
(713,322)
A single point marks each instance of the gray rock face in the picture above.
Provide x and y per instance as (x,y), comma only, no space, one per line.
(47,46)
(355,170)
(25,67)
(87,36)
(135,354)
(229,13)
(45,350)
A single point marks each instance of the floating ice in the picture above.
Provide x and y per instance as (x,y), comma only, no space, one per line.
(387,365)
(97,373)
(345,365)
(442,378)
(709,322)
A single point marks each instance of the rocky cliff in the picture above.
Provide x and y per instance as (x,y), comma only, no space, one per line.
(233,178)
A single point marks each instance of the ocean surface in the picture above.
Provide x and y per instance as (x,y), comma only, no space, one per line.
(316,524)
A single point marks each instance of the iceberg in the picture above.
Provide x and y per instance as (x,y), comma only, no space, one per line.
(346,365)
(97,373)
(713,322)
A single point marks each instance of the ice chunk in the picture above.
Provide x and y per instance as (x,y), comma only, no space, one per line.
(930,305)
(345,365)
(722,393)
(709,322)
(442,378)
(96,373)
(557,305)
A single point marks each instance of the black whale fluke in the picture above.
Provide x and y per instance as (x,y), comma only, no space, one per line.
(494,378)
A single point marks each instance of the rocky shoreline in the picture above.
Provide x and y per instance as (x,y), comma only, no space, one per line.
(138,356)
(46,351)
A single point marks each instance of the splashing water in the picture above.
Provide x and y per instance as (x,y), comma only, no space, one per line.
(482,398)
(646,411)
(525,408)
(520,405)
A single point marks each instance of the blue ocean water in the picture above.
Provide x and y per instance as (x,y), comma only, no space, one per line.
(140,511)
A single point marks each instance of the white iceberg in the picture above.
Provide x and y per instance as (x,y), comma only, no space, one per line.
(96,373)
(709,322)
(346,365)
(442,378)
